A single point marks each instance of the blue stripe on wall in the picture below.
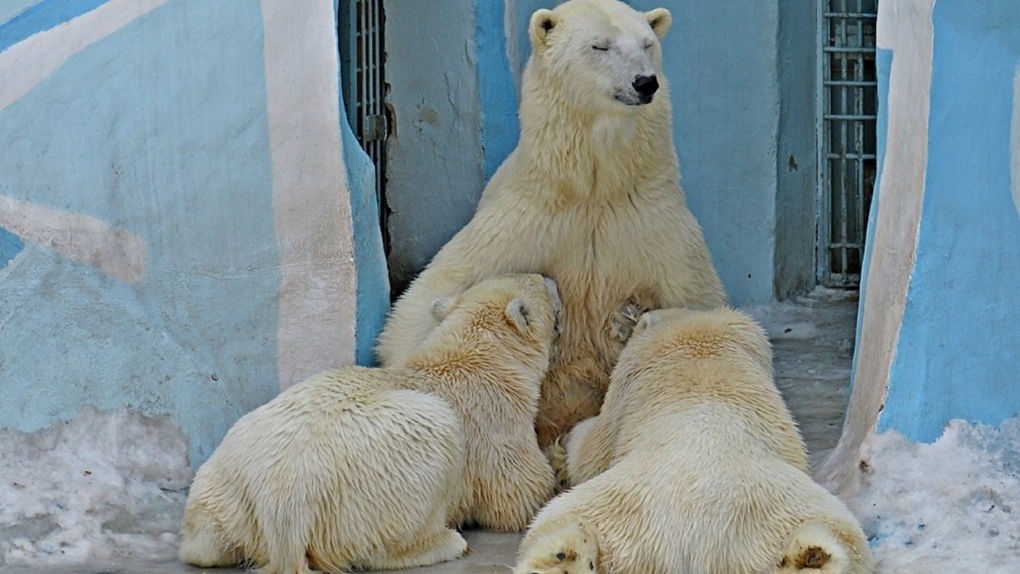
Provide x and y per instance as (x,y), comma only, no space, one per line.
(11,8)
(373,289)
(43,16)
(10,246)
(496,90)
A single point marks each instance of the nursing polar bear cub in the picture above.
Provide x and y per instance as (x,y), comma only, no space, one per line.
(694,465)
(591,197)
(367,468)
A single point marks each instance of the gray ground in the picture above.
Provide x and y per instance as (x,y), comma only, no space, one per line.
(813,339)
(813,343)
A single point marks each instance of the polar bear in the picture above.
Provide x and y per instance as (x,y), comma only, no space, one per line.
(369,468)
(700,467)
(590,197)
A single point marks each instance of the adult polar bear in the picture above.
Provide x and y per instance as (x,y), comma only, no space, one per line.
(591,197)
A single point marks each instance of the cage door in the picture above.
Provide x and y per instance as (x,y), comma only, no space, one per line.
(848,101)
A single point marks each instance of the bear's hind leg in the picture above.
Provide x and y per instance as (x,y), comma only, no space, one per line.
(515,490)
(286,565)
(200,546)
(285,527)
(445,545)
(569,547)
(816,547)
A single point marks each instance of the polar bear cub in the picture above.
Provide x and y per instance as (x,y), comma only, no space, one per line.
(693,465)
(359,468)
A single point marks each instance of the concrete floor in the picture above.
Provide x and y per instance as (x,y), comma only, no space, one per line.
(813,345)
(813,340)
(491,553)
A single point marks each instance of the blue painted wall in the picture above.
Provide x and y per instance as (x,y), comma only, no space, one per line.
(141,264)
(11,8)
(20,19)
(721,59)
(122,134)
(435,157)
(500,128)
(797,150)
(957,354)
(370,259)
(10,246)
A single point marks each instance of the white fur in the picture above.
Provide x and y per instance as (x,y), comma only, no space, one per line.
(368,468)
(603,36)
(694,465)
(590,197)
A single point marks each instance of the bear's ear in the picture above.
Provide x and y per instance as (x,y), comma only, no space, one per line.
(660,20)
(441,307)
(542,22)
(517,313)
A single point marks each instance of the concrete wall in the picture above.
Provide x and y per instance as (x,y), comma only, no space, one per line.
(721,58)
(938,334)
(434,156)
(797,201)
(742,74)
(176,230)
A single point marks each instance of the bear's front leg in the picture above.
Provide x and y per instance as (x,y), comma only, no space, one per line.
(515,489)
(625,318)
(443,546)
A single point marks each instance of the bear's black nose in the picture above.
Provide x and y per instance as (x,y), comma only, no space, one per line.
(645,86)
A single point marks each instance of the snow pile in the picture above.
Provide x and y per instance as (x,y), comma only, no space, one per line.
(105,485)
(951,506)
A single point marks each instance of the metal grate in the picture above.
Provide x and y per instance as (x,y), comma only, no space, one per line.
(360,30)
(849,100)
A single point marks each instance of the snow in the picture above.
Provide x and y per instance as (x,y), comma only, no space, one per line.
(946,506)
(105,485)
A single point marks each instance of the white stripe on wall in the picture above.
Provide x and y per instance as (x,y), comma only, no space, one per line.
(116,251)
(906,29)
(31,61)
(311,200)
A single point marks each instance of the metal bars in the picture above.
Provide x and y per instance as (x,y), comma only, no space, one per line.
(360,29)
(848,103)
